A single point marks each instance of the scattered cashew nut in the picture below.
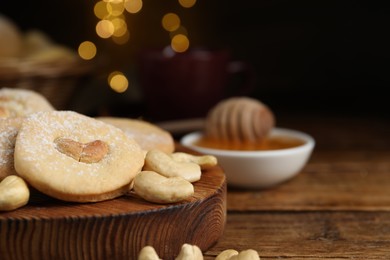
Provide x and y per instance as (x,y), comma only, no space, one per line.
(14,193)
(204,161)
(163,164)
(226,254)
(190,252)
(193,252)
(157,188)
(231,254)
(148,253)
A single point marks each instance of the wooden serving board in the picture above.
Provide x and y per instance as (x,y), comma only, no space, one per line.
(116,229)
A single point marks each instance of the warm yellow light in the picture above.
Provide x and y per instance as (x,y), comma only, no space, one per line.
(133,6)
(122,39)
(120,27)
(118,82)
(170,22)
(87,50)
(113,1)
(105,28)
(180,43)
(100,10)
(111,17)
(115,8)
(187,3)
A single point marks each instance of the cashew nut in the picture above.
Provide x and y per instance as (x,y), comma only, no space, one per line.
(226,254)
(193,252)
(204,161)
(14,193)
(157,188)
(148,253)
(163,164)
(249,254)
(190,252)
(91,152)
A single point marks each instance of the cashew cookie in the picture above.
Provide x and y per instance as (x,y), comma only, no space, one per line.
(76,158)
(148,135)
(21,102)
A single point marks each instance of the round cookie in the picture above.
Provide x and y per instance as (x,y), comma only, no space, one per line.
(148,135)
(21,102)
(8,131)
(76,158)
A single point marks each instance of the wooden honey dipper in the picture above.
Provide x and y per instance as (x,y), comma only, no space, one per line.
(239,119)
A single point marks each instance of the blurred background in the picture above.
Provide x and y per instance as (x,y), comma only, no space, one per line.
(312,57)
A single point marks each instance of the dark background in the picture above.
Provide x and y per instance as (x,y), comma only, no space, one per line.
(309,56)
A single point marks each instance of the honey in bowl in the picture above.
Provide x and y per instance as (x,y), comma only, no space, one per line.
(276,142)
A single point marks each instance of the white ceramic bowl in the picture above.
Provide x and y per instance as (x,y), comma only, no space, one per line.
(259,169)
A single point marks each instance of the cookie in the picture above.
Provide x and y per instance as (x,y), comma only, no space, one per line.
(8,131)
(21,102)
(148,135)
(75,158)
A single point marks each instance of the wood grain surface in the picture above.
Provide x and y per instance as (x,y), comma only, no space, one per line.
(115,229)
(338,207)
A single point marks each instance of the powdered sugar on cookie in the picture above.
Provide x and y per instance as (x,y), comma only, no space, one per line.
(57,173)
(21,102)
(8,131)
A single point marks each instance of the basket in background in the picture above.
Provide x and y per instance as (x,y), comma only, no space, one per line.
(58,81)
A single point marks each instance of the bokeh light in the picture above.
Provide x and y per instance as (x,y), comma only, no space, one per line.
(112,24)
(180,43)
(118,82)
(112,21)
(105,29)
(100,10)
(113,1)
(170,22)
(133,6)
(115,8)
(187,3)
(120,27)
(87,50)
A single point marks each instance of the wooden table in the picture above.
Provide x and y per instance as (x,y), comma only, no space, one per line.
(338,207)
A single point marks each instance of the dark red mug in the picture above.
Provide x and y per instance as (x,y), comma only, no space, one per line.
(187,85)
